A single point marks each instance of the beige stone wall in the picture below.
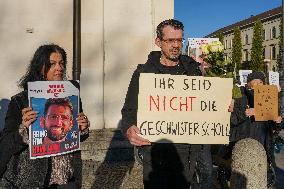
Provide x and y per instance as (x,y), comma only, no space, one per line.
(116,36)
(92,44)
(48,21)
(129,36)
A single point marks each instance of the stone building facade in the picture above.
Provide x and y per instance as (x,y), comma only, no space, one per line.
(116,35)
(271,21)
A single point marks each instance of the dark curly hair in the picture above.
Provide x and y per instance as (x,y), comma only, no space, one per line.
(171,22)
(59,102)
(40,60)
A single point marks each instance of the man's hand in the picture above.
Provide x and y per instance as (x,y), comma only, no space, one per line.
(132,135)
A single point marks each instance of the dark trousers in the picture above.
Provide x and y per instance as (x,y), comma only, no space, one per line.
(166,166)
(69,185)
(205,168)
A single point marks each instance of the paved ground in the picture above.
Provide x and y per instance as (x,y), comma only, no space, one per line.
(280,170)
(108,162)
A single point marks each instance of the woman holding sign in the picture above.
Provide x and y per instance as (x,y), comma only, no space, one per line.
(17,169)
(243,116)
(244,123)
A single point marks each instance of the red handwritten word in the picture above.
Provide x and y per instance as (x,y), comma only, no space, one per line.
(174,103)
(54,147)
(39,149)
(56,89)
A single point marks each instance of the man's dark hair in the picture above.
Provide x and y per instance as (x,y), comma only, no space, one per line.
(171,22)
(41,59)
(59,102)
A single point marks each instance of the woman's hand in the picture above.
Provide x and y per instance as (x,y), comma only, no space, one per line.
(28,116)
(250,112)
(83,121)
(278,119)
(231,106)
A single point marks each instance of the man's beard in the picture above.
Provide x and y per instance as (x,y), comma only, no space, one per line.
(173,58)
(55,137)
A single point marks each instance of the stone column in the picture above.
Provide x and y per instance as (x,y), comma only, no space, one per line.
(249,165)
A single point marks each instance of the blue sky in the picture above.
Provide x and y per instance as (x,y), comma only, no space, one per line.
(202,17)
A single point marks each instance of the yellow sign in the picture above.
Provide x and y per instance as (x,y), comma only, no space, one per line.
(266,102)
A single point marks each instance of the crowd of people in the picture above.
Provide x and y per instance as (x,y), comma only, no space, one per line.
(194,168)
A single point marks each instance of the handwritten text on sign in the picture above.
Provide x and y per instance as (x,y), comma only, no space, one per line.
(184,109)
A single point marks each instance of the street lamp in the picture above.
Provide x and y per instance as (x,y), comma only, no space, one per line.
(266,65)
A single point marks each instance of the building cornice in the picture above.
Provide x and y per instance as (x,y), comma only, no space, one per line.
(249,22)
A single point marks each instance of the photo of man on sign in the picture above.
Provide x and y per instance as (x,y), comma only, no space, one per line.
(57,120)
(56,130)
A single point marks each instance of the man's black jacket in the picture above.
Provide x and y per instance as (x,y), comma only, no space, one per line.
(153,65)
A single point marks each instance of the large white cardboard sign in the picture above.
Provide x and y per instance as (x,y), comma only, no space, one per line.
(184,109)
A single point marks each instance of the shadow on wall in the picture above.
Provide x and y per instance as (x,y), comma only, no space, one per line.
(3,109)
(118,163)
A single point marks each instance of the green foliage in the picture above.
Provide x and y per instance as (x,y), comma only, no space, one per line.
(217,69)
(237,50)
(236,92)
(186,50)
(279,58)
(221,37)
(257,63)
(213,53)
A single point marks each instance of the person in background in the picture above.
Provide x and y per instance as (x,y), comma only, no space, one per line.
(243,124)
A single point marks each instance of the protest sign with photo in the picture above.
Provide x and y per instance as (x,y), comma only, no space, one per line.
(195,44)
(266,102)
(55,130)
(243,76)
(184,109)
(273,78)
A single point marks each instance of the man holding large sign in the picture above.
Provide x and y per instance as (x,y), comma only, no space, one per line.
(166,165)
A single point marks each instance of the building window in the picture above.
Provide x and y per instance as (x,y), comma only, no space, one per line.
(273,53)
(246,54)
(263,54)
(246,39)
(263,35)
(273,32)
(226,44)
(231,44)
